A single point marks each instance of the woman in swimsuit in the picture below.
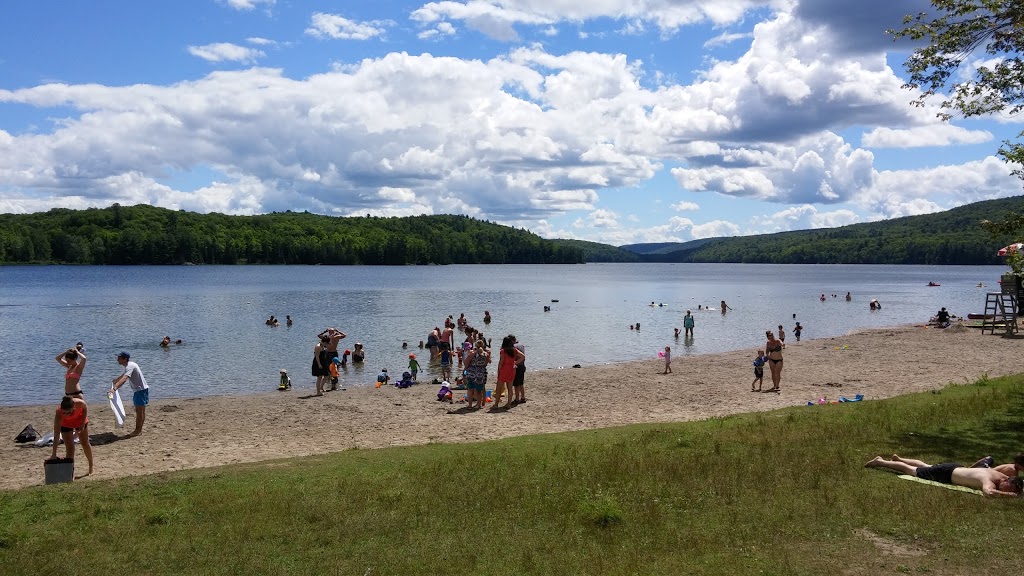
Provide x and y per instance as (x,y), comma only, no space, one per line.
(320,368)
(774,349)
(73,361)
(72,419)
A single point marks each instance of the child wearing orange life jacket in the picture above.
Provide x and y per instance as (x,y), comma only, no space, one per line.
(333,367)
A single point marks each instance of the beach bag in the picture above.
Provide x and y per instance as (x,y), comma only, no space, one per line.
(27,434)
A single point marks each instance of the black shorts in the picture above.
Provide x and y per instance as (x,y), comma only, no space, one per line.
(520,375)
(444,345)
(79,429)
(939,472)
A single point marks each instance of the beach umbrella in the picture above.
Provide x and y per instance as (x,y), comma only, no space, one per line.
(1010,249)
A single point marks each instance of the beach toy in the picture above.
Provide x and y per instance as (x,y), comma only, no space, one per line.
(822,400)
(661,353)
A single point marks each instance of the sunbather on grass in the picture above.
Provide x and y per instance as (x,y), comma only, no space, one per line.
(988,480)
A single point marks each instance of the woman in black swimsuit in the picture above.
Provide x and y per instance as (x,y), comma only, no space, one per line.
(774,349)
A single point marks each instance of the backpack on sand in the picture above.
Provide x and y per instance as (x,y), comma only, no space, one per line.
(28,434)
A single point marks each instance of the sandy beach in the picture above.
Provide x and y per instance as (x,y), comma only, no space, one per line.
(187,433)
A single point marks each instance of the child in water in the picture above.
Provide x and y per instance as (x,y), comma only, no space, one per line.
(759,361)
(286,381)
(383,378)
(333,367)
(414,366)
(797,330)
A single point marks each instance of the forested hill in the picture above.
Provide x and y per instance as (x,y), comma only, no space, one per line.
(951,237)
(148,235)
(597,252)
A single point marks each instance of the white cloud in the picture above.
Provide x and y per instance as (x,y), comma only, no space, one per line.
(598,219)
(919,136)
(442,29)
(224,51)
(633,28)
(260,41)
(802,217)
(341,28)
(247,4)
(685,206)
(714,229)
(498,19)
(726,38)
(907,192)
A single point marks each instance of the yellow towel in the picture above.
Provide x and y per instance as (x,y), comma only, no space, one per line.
(941,485)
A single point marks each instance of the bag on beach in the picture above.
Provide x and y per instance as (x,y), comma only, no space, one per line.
(28,434)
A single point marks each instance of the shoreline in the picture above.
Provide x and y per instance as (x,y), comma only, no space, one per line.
(199,432)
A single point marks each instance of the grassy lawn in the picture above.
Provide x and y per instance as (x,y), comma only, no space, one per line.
(769,493)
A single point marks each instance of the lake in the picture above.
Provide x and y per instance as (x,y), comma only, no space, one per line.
(219,313)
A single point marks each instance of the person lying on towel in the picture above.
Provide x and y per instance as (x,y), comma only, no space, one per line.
(989,481)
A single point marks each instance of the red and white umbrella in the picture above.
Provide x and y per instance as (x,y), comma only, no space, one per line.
(1010,249)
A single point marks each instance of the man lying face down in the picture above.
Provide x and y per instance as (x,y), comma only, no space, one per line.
(990,481)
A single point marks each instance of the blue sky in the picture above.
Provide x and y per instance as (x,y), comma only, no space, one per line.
(617,121)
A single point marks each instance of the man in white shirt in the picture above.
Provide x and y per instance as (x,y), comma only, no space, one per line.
(140,398)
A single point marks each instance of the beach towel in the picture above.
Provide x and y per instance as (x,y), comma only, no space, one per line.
(117,407)
(46,440)
(856,398)
(941,485)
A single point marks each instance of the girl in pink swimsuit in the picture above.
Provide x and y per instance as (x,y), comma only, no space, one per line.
(73,360)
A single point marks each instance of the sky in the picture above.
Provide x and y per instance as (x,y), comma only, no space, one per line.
(615,121)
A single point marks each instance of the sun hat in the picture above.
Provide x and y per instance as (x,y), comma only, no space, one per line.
(413,356)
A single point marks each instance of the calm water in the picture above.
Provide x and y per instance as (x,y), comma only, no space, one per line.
(220,311)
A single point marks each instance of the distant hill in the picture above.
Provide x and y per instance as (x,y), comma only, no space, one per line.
(597,252)
(664,247)
(951,237)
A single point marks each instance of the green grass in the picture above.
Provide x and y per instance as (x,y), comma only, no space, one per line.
(769,493)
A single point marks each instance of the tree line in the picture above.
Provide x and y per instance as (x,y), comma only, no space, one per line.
(149,235)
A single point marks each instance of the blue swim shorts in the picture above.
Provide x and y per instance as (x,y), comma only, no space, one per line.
(141,397)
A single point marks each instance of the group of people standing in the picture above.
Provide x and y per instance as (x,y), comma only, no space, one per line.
(71,418)
(511,372)
(326,357)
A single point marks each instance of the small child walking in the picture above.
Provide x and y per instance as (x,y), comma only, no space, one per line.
(668,360)
(759,361)
(414,366)
(446,364)
(797,330)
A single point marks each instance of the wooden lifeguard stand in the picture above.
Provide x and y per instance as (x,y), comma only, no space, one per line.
(1000,312)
